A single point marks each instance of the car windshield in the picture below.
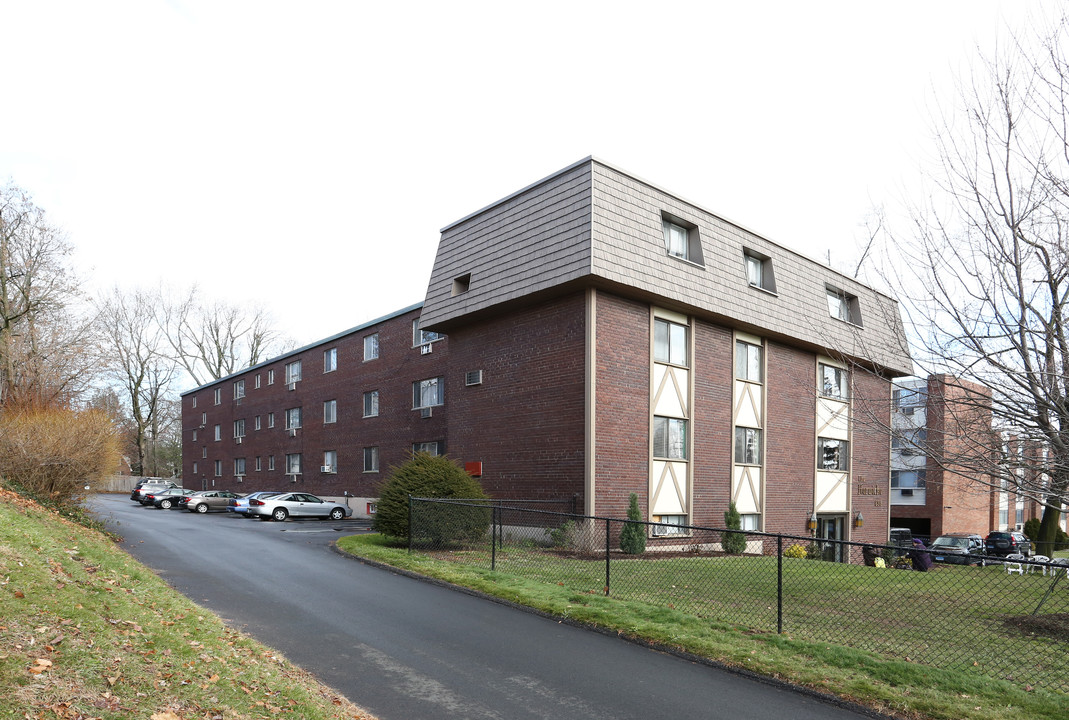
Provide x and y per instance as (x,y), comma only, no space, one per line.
(951,542)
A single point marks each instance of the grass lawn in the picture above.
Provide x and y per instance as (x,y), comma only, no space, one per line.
(724,609)
(88,632)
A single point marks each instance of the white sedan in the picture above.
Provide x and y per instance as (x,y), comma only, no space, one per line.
(296,504)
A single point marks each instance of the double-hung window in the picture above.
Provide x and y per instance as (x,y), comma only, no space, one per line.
(748,365)
(218,433)
(669,438)
(239,389)
(748,446)
(218,468)
(293,372)
(434,447)
(330,360)
(422,337)
(330,412)
(293,418)
(239,428)
(371,459)
(239,466)
(670,342)
(293,463)
(834,382)
(218,395)
(833,454)
(371,346)
(677,239)
(330,461)
(371,403)
(428,393)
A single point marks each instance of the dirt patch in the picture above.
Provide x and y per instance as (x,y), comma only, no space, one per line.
(1054,626)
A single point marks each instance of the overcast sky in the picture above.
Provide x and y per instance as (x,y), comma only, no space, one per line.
(303,156)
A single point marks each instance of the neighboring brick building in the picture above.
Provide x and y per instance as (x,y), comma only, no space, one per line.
(599,336)
(942,426)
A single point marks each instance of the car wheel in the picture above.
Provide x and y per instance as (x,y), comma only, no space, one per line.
(202,508)
(279,514)
(165,504)
(337,514)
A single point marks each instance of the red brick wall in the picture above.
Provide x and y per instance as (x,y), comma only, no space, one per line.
(790,438)
(525,422)
(871,442)
(623,406)
(394,431)
(714,377)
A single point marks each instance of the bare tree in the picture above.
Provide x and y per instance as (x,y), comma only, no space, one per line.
(44,344)
(213,341)
(139,362)
(983,273)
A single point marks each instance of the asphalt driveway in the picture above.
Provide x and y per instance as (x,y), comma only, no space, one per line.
(407,649)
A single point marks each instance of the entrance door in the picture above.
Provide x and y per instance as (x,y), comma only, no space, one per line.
(829,531)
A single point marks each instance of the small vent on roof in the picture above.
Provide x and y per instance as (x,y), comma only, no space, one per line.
(461,284)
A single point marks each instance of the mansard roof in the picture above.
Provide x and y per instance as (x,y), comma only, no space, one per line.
(592,224)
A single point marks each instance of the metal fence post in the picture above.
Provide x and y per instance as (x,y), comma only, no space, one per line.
(608,524)
(410,505)
(779,584)
(493,538)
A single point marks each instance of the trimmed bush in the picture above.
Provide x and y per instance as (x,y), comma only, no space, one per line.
(798,552)
(1031,529)
(633,536)
(431,476)
(733,543)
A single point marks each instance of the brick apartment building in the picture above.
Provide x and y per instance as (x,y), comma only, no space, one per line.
(946,418)
(590,336)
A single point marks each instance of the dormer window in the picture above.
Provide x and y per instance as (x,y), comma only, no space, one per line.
(681,239)
(843,306)
(759,271)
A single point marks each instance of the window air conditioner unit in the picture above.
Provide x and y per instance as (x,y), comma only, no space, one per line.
(1019,526)
(237,440)
(293,432)
(327,469)
(473,377)
(426,412)
(291,386)
(237,401)
(426,349)
(239,478)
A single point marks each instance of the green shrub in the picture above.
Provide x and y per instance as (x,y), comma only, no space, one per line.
(734,543)
(564,536)
(633,536)
(1031,529)
(431,476)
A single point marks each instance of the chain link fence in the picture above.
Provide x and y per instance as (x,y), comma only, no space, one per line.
(1002,619)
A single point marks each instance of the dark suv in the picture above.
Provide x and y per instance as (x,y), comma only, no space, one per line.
(958,549)
(1008,543)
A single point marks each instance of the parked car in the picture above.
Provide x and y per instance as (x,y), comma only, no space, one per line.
(148,496)
(144,487)
(958,549)
(296,504)
(209,501)
(1008,543)
(169,498)
(240,505)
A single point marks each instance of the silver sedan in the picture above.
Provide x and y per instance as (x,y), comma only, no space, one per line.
(296,504)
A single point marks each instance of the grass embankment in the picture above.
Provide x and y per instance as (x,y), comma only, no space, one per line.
(898,687)
(88,632)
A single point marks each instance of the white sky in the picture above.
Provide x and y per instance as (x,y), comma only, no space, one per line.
(303,156)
